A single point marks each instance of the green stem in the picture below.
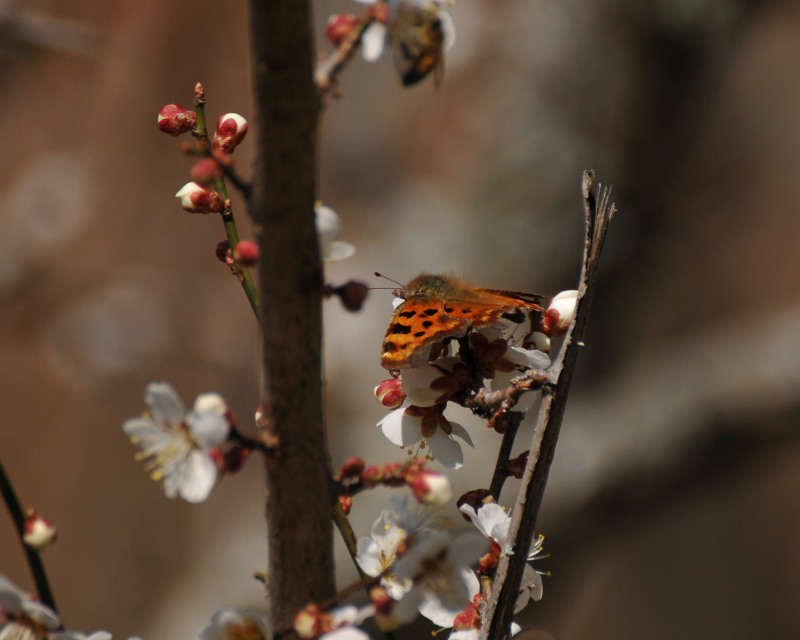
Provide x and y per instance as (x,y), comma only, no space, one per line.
(34,560)
(231,231)
(349,537)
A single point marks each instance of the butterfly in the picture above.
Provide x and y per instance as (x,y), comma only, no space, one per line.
(417,36)
(437,308)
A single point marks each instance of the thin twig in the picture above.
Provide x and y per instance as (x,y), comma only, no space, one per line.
(34,559)
(500,607)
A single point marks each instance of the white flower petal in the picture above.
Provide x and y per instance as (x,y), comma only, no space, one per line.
(368,556)
(528,358)
(164,403)
(208,429)
(373,42)
(198,477)
(400,429)
(337,250)
(462,433)
(446,450)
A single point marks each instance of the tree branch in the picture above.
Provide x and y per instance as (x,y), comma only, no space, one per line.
(500,607)
(300,497)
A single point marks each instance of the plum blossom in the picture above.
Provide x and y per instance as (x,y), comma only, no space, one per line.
(493,522)
(426,428)
(179,447)
(438,566)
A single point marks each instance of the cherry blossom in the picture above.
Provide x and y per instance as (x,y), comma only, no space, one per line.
(179,447)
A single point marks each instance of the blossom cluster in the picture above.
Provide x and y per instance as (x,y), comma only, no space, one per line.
(488,358)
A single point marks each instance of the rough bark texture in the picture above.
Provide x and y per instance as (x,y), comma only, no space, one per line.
(299,490)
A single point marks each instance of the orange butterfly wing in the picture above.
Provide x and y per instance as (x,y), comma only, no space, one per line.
(420,322)
(439,307)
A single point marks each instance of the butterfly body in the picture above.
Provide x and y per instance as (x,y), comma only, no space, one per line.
(439,307)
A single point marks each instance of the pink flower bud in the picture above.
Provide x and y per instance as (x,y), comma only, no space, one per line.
(175,119)
(308,622)
(197,199)
(560,313)
(353,466)
(39,533)
(431,488)
(231,129)
(246,252)
(340,25)
(390,393)
(346,503)
(205,171)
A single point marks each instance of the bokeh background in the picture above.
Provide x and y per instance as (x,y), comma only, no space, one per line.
(672,510)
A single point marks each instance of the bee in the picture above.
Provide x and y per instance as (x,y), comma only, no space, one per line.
(417,36)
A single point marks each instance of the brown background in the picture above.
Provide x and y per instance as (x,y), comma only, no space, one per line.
(672,508)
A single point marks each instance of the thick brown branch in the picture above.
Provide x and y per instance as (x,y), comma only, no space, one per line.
(300,498)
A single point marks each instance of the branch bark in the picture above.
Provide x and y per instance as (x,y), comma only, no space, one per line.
(500,607)
(300,496)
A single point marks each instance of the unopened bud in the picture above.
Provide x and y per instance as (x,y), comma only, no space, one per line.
(205,171)
(346,503)
(340,26)
(390,393)
(231,130)
(353,466)
(39,533)
(175,119)
(537,340)
(246,252)
(431,488)
(352,294)
(197,199)
(560,313)
(308,622)
(222,251)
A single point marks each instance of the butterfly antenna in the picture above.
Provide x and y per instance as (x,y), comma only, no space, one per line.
(380,275)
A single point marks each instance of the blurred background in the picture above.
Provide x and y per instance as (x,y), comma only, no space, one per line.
(672,508)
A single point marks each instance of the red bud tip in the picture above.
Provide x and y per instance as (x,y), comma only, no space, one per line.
(390,393)
(346,502)
(560,313)
(246,252)
(231,130)
(340,26)
(175,119)
(38,532)
(205,171)
(197,199)
(199,93)
(431,488)
(353,466)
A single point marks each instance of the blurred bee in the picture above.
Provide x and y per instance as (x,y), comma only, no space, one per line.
(417,35)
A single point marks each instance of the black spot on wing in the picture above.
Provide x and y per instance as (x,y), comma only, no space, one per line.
(399,329)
